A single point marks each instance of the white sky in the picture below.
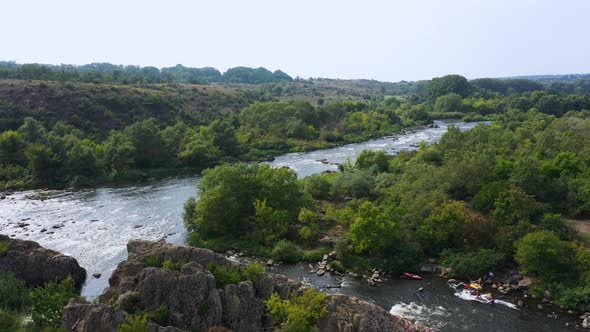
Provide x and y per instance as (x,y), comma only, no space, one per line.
(384,40)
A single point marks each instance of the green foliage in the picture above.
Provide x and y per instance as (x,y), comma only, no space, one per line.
(159,315)
(379,160)
(471,264)
(134,323)
(318,186)
(4,247)
(153,261)
(300,313)
(14,296)
(48,302)
(445,227)
(316,255)
(337,266)
(10,321)
(544,254)
(451,102)
(372,231)
(224,275)
(228,194)
(172,266)
(354,184)
(272,224)
(445,85)
(253,271)
(286,251)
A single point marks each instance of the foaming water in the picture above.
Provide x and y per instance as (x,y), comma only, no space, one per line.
(467,296)
(432,316)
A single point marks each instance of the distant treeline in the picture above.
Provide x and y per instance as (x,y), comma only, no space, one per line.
(109,73)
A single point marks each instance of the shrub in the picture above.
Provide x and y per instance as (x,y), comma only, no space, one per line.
(300,313)
(134,323)
(4,247)
(337,266)
(253,272)
(160,315)
(153,261)
(9,321)
(171,265)
(306,234)
(48,302)
(317,186)
(575,297)
(472,263)
(315,255)
(223,275)
(544,254)
(285,251)
(13,293)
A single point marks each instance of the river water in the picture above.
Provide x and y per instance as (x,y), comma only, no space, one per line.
(95,225)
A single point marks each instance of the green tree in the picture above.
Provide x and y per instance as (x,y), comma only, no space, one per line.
(300,313)
(12,147)
(542,253)
(441,86)
(372,231)
(49,301)
(228,193)
(451,102)
(42,162)
(445,228)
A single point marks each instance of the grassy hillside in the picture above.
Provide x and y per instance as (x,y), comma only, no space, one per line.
(98,108)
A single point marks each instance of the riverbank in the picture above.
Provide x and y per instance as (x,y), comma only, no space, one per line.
(98,223)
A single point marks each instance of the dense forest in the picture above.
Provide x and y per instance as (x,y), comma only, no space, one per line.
(72,134)
(109,73)
(477,201)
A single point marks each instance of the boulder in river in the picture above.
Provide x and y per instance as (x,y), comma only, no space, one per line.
(37,265)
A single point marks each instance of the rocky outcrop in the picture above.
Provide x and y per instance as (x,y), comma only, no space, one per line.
(84,316)
(37,265)
(195,302)
(347,313)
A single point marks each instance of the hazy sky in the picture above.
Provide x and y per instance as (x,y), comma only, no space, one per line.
(384,40)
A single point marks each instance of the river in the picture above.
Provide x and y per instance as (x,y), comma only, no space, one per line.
(95,225)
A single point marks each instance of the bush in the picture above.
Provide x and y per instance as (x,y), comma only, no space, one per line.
(4,247)
(253,272)
(223,275)
(159,315)
(153,261)
(306,234)
(574,297)
(171,265)
(13,293)
(9,321)
(317,186)
(315,255)
(285,251)
(544,254)
(472,263)
(48,302)
(134,323)
(300,313)
(337,266)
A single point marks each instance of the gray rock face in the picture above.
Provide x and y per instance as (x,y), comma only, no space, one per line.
(83,316)
(195,302)
(347,313)
(37,265)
